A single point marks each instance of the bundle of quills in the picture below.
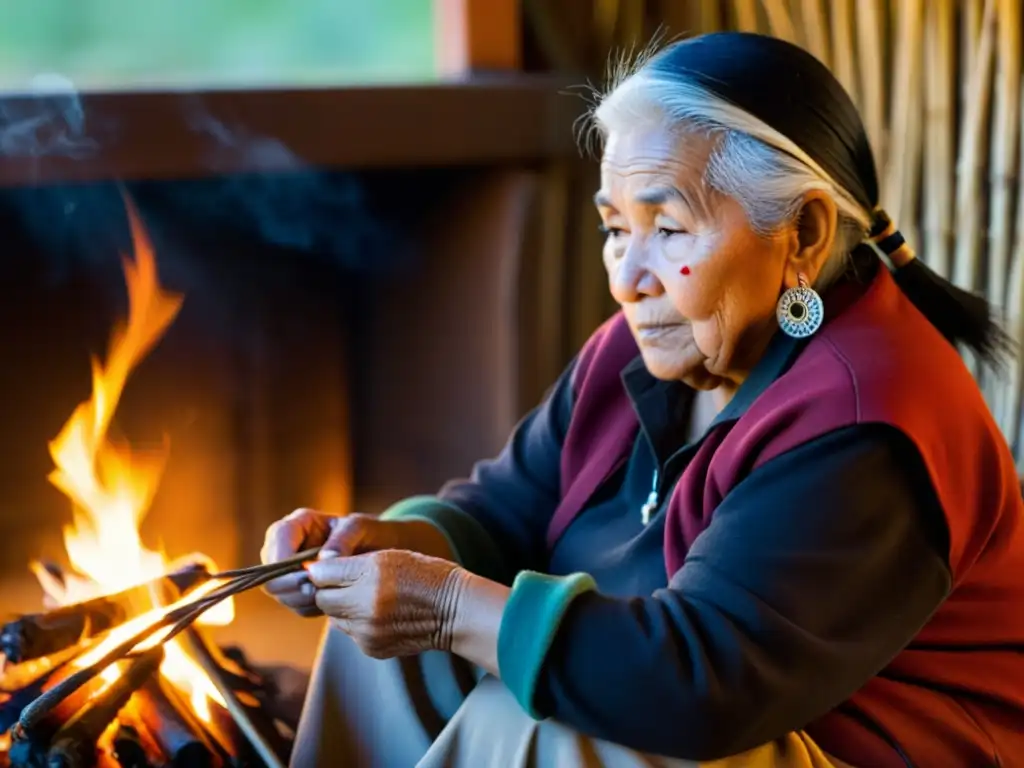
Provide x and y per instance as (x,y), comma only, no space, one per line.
(75,693)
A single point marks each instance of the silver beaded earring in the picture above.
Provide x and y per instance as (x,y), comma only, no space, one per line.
(800,311)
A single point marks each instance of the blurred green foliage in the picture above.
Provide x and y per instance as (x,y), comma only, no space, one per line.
(215,43)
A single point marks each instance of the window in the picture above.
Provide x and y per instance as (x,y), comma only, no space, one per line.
(142,44)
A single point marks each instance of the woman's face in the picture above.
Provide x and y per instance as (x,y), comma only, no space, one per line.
(696,283)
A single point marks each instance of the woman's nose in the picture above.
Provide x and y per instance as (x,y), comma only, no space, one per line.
(631,278)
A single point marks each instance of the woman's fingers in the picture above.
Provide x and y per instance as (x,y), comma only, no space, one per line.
(338,571)
(285,585)
(300,601)
(302,529)
(351,535)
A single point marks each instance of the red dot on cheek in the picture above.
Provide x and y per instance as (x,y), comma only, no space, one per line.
(685,270)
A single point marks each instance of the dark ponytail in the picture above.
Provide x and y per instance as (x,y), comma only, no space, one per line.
(965,319)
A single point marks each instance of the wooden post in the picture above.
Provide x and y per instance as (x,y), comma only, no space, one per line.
(477,35)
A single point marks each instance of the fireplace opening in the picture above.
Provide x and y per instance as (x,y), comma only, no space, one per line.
(344,340)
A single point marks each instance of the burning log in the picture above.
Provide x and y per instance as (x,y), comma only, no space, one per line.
(23,683)
(74,745)
(67,737)
(128,748)
(35,635)
(179,735)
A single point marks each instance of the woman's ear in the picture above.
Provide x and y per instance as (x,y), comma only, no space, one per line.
(816,226)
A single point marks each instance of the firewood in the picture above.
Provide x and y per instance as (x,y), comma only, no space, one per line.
(128,748)
(22,683)
(35,635)
(74,744)
(177,731)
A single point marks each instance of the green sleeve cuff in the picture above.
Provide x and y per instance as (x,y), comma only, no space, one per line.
(528,625)
(471,544)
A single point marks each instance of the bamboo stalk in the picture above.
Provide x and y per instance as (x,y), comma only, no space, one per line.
(901,186)
(966,260)
(710,16)
(779,21)
(870,47)
(970,162)
(939,70)
(843,48)
(815,26)
(745,12)
(971,14)
(1015,322)
(631,23)
(1006,116)
(606,21)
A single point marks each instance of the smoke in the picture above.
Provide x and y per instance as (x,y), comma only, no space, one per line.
(50,121)
(280,202)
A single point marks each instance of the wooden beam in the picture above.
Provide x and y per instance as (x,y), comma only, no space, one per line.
(477,35)
(502,119)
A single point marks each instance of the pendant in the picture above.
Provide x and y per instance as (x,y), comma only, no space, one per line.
(648,508)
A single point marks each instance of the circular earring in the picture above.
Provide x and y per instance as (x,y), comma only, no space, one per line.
(800,311)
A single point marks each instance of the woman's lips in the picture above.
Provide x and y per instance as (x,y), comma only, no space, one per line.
(652,331)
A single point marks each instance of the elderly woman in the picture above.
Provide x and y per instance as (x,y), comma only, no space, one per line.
(763,518)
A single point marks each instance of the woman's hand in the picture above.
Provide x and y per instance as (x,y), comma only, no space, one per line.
(392,602)
(399,603)
(339,536)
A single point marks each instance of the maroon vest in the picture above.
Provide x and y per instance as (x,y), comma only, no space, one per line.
(878,361)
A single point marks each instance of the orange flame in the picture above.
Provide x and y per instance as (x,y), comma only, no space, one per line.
(111,488)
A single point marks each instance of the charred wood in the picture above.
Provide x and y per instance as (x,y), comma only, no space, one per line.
(128,748)
(74,744)
(179,734)
(23,683)
(35,635)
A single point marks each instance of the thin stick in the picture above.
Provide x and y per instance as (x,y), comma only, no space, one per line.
(237,710)
(297,559)
(178,619)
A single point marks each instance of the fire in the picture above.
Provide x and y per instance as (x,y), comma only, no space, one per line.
(111,487)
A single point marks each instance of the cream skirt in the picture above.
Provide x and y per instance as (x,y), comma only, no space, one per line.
(432,712)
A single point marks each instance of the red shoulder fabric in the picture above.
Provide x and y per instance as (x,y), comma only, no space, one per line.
(603,425)
(880,361)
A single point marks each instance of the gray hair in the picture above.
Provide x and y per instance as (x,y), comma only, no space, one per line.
(766,173)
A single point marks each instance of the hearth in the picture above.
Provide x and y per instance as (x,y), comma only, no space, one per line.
(119,673)
(63,706)
(347,338)
(287,370)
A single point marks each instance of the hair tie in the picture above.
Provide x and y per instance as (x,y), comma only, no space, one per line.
(888,239)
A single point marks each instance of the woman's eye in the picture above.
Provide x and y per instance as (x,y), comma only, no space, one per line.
(666,232)
(611,231)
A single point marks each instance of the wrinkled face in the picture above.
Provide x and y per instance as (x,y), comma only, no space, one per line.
(696,283)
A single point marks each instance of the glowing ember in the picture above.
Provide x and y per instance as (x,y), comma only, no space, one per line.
(111,487)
